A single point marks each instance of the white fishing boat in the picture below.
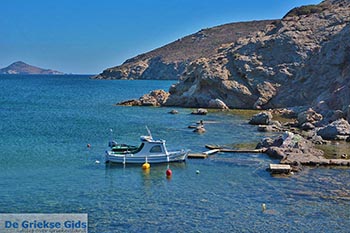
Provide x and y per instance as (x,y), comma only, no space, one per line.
(150,151)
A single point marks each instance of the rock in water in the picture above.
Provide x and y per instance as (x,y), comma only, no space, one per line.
(337,130)
(200,111)
(199,129)
(133,102)
(262,118)
(154,98)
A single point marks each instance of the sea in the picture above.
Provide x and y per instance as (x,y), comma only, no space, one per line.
(46,166)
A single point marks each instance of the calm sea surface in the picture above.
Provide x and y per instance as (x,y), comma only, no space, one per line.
(46,167)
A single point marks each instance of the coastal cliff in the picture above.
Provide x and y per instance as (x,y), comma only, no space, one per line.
(170,61)
(301,60)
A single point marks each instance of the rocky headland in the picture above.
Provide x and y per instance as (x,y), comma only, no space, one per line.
(20,67)
(301,60)
(170,61)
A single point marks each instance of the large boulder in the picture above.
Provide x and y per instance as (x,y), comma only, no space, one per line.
(174,111)
(269,142)
(337,130)
(307,126)
(336,115)
(154,98)
(309,116)
(217,103)
(288,113)
(262,118)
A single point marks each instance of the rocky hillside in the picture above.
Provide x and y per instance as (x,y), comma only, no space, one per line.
(23,68)
(304,59)
(169,61)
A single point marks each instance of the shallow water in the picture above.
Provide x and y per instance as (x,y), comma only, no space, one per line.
(46,167)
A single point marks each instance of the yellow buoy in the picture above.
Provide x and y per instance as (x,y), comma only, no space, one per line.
(263,207)
(146,166)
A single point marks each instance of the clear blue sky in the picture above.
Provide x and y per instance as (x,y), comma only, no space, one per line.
(85,36)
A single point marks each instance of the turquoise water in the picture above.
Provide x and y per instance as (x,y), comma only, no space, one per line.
(46,167)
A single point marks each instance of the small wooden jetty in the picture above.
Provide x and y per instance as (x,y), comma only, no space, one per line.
(231,150)
(280,168)
(215,149)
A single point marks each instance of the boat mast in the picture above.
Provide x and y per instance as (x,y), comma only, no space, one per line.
(149,132)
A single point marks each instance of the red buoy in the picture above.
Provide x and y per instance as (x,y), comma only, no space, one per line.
(168,172)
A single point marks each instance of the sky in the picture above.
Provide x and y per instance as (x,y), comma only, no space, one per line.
(88,36)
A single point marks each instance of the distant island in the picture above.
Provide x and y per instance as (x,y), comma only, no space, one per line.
(20,67)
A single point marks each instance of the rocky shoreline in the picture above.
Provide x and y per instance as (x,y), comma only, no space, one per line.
(302,130)
(155,98)
(298,143)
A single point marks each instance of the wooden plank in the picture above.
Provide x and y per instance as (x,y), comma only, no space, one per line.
(197,156)
(243,151)
(279,168)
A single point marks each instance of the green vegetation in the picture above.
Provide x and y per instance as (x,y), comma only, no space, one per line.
(245,145)
(281,118)
(244,113)
(335,150)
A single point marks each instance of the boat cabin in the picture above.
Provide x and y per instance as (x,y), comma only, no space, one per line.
(148,146)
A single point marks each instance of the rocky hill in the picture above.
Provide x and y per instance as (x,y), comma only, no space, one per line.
(304,59)
(23,68)
(169,61)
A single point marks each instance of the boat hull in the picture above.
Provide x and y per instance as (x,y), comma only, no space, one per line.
(179,156)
